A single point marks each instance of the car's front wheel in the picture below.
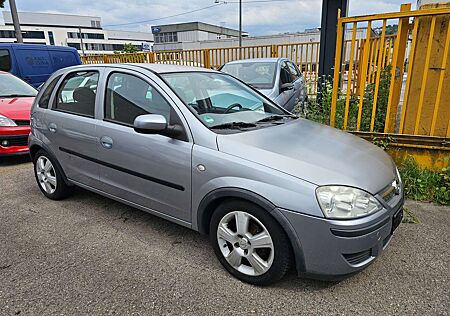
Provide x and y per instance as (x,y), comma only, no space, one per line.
(249,243)
(49,176)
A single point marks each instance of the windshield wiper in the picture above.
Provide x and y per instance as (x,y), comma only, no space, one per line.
(233,125)
(275,118)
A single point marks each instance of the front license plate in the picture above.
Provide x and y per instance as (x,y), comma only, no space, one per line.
(397,219)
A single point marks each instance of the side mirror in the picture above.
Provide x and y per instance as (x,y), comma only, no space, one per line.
(286,86)
(150,124)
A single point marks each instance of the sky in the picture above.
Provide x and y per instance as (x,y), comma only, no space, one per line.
(259,18)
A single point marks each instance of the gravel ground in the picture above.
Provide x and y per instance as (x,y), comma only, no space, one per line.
(91,255)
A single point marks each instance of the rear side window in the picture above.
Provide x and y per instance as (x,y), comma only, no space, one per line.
(128,96)
(45,98)
(77,93)
(5,60)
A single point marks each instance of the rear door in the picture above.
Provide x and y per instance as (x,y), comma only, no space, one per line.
(153,171)
(71,125)
(34,64)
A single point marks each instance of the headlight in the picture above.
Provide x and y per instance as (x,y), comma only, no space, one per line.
(6,121)
(342,202)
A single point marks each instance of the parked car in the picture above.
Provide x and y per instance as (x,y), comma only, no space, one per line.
(16,98)
(204,150)
(35,63)
(277,78)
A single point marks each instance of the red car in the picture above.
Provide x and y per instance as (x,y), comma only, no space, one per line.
(16,98)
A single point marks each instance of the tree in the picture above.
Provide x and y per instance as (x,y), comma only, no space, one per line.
(128,48)
(2,3)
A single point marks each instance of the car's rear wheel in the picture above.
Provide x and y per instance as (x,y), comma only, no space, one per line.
(249,243)
(49,176)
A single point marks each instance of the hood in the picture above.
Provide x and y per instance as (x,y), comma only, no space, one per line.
(313,152)
(16,108)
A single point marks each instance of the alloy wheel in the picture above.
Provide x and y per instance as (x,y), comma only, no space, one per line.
(46,174)
(245,243)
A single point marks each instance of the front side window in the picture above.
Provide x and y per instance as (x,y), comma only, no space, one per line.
(285,74)
(260,75)
(128,96)
(77,93)
(13,87)
(5,60)
(293,71)
(222,102)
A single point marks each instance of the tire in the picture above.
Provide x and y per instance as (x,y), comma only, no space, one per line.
(259,254)
(49,176)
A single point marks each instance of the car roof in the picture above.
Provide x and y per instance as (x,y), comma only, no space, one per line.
(157,68)
(257,60)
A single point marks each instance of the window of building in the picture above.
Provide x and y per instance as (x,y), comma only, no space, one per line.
(86,35)
(77,93)
(51,38)
(128,96)
(33,34)
(92,23)
(74,45)
(166,37)
(5,60)
(44,100)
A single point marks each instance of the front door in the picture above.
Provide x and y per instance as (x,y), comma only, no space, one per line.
(286,98)
(153,171)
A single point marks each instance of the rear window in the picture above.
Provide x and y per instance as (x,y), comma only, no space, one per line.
(260,75)
(5,60)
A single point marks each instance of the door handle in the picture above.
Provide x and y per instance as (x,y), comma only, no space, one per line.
(106,142)
(52,127)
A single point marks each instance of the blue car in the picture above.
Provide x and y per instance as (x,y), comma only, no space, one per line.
(277,78)
(35,63)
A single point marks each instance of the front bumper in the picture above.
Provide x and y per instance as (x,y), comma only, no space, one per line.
(334,248)
(14,140)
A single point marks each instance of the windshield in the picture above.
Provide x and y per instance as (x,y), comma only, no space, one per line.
(11,87)
(221,101)
(260,75)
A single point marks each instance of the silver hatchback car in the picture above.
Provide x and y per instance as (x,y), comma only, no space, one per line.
(201,149)
(279,79)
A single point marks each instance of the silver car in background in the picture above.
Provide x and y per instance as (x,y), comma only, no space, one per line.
(202,149)
(277,78)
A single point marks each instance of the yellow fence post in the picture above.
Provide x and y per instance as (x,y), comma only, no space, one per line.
(206,61)
(337,69)
(397,70)
(274,51)
(363,74)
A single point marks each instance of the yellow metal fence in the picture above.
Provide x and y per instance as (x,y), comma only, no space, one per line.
(305,55)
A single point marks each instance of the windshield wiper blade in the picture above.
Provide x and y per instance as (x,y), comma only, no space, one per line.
(275,118)
(234,125)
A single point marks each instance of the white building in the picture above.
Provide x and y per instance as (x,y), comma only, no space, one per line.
(176,36)
(64,29)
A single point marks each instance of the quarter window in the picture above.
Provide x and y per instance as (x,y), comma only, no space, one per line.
(45,98)
(77,93)
(128,96)
(5,60)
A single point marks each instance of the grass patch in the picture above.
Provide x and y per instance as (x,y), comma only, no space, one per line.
(409,217)
(425,185)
